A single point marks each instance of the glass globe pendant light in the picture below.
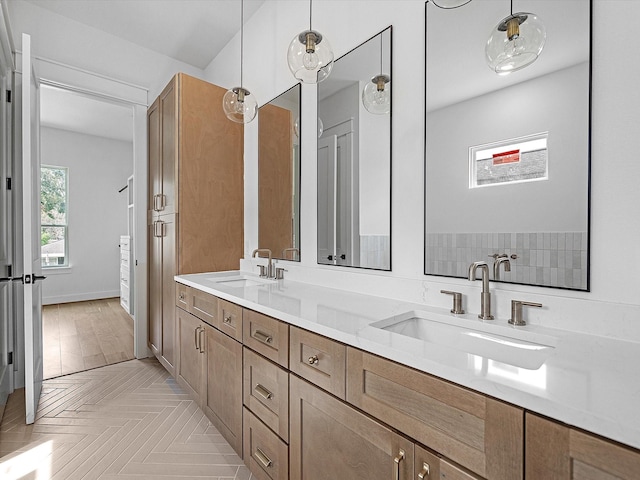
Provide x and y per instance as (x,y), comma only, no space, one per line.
(310,56)
(239,104)
(515,42)
(376,94)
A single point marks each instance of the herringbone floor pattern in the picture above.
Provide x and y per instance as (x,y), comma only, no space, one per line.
(124,421)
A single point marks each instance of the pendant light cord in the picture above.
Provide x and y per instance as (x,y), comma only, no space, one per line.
(241,40)
(511,7)
(381,47)
(310,10)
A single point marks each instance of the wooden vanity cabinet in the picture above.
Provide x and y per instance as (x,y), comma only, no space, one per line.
(554,450)
(330,439)
(481,434)
(209,363)
(195,200)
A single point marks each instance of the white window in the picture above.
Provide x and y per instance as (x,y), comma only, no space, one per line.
(54,189)
(523,159)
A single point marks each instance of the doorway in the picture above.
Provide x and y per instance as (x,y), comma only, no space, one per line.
(86,150)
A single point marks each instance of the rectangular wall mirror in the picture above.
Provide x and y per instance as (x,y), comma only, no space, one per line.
(354,160)
(507,156)
(279,175)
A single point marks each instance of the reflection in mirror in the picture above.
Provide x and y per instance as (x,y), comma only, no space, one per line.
(507,156)
(279,176)
(354,162)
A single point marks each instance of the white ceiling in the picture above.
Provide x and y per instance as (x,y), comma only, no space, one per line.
(76,112)
(191,31)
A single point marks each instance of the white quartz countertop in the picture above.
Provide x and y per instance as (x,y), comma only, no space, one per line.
(586,381)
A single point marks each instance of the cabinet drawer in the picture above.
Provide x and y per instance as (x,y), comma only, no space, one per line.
(266,392)
(264,453)
(203,305)
(318,359)
(124,258)
(554,450)
(229,319)
(479,433)
(182,296)
(124,275)
(267,336)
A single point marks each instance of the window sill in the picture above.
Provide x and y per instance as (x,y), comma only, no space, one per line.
(56,270)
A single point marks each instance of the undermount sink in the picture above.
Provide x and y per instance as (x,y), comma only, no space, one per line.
(241,281)
(520,348)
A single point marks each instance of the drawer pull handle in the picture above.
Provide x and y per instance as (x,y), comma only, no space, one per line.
(227,319)
(196,331)
(263,337)
(263,392)
(264,460)
(397,461)
(313,360)
(425,471)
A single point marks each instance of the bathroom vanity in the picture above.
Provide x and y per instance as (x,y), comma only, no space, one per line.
(310,382)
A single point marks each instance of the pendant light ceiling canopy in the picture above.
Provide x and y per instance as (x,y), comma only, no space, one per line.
(376,94)
(239,104)
(515,42)
(310,56)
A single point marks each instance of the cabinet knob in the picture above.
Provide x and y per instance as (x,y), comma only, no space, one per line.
(227,319)
(313,360)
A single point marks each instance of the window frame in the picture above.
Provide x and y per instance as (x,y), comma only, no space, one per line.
(65,226)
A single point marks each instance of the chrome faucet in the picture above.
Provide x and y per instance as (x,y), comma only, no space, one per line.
(294,250)
(269,273)
(500,259)
(485,298)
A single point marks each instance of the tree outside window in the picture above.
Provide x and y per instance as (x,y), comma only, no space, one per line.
(53,216)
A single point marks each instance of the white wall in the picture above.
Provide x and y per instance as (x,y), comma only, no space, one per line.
(97,213)
(613,302)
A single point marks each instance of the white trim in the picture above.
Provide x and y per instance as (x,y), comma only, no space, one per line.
(6,40)
(80,297)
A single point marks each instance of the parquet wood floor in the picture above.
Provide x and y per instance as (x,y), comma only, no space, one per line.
(125,421)
(83,335)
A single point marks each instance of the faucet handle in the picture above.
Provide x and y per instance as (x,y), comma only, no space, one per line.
(263,271)
(280,273)
(457,301)
(516,311)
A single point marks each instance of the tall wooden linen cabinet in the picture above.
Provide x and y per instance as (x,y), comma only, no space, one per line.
(195,197)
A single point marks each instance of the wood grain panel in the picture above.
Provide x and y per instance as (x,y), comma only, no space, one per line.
(265,454)
(266,392)
(267,336)
(153,153)
(229,319)
(480,434)
(211,191)
(189,367)
(203,305)
(275,179)
(329,439)
(555,450)
(169,143)
(223,395)
(329,369)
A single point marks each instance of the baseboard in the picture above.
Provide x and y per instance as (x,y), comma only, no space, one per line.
(80,297)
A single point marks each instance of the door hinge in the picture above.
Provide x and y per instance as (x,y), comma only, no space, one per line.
(8,183)
(8,96)
(10,358)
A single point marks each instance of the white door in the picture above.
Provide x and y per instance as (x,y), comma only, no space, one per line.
(31,233)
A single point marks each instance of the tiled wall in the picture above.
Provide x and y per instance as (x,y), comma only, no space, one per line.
(557,259)
(375,251)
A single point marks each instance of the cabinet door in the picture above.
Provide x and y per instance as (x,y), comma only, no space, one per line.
(557,451)
(477,432)
(169,145)
(223,395)
(189,367)
(153,151)
(168,231)
(331,440)
(155,291)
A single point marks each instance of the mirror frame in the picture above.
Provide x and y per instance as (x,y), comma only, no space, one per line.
(297,176)
(390,179)
(587,288)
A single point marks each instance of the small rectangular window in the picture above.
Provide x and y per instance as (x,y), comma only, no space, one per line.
(54,186)
(523,159)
